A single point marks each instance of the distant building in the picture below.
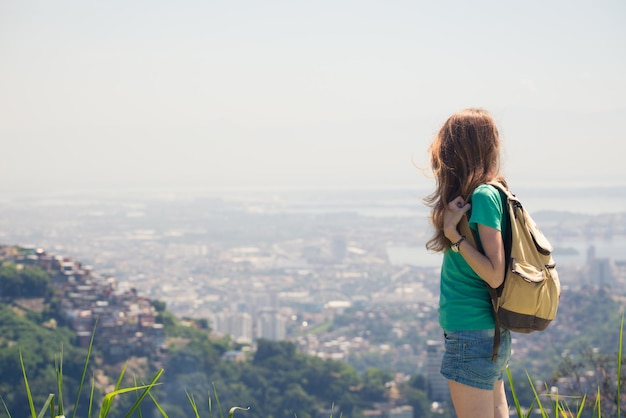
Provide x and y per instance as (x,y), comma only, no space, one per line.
(388,410)
(405,411)
(240,324)
(373,413)
(234,356)
(339,247)
(437,385)
(600,271)
(237,324)
(270,325)
(220,323)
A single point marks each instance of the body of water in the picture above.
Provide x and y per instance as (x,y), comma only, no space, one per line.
(614,249)
(407,202)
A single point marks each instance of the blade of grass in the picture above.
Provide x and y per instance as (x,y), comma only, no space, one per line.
(157,405)
(119,379)
(108,398)
(28,393)
(232,410)
(93,388)
(556,406)
(106,402)
(59,371)
(561,408)
(217,400)
(82,378)
(46,406)
(518,408)
(532,386)
(6,409)
(597,406)
(193,404)
(581,407)
(139,414)
(147,390)
(619,368)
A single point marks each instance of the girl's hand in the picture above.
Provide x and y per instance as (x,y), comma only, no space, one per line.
(452,216)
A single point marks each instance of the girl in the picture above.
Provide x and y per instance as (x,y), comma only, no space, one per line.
(465,155)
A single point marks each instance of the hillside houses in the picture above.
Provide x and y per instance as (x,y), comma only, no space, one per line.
(123,320)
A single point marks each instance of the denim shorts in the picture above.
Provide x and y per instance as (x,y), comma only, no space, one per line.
(467,357)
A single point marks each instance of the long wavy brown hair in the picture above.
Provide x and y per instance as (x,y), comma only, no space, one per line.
(464,155)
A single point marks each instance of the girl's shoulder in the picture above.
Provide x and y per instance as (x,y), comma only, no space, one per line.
(486,194)
(486,190)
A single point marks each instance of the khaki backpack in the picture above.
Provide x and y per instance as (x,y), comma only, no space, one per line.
(528,298)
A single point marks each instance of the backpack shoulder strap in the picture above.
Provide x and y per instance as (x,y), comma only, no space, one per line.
(469,234)
(499,186)
(505,190)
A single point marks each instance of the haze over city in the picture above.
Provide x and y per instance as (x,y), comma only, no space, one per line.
(204,178)
(189,95)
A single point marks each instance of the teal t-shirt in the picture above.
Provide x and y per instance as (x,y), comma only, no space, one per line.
(464,302)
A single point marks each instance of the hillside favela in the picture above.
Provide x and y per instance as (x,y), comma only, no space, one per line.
(282,303)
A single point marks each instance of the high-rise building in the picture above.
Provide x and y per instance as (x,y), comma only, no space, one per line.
(339,248)
(241,326)
(237,324)
(437,385)
(599,270)
(270,325)
(220,323)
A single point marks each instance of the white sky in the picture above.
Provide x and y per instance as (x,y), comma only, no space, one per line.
(113,94)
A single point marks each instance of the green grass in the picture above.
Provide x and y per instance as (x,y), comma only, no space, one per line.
(561,406)
(196,412)
(53,407)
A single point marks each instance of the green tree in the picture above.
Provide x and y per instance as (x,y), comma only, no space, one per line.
(418,400)
(34,282)
(296,402)
(40,348)
(10,281)
(24,282)
(159,305)
(374,381)
(269,352)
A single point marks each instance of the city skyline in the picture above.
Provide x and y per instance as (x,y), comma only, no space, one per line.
(157,95)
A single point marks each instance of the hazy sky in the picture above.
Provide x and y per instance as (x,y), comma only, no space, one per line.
(189,94)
